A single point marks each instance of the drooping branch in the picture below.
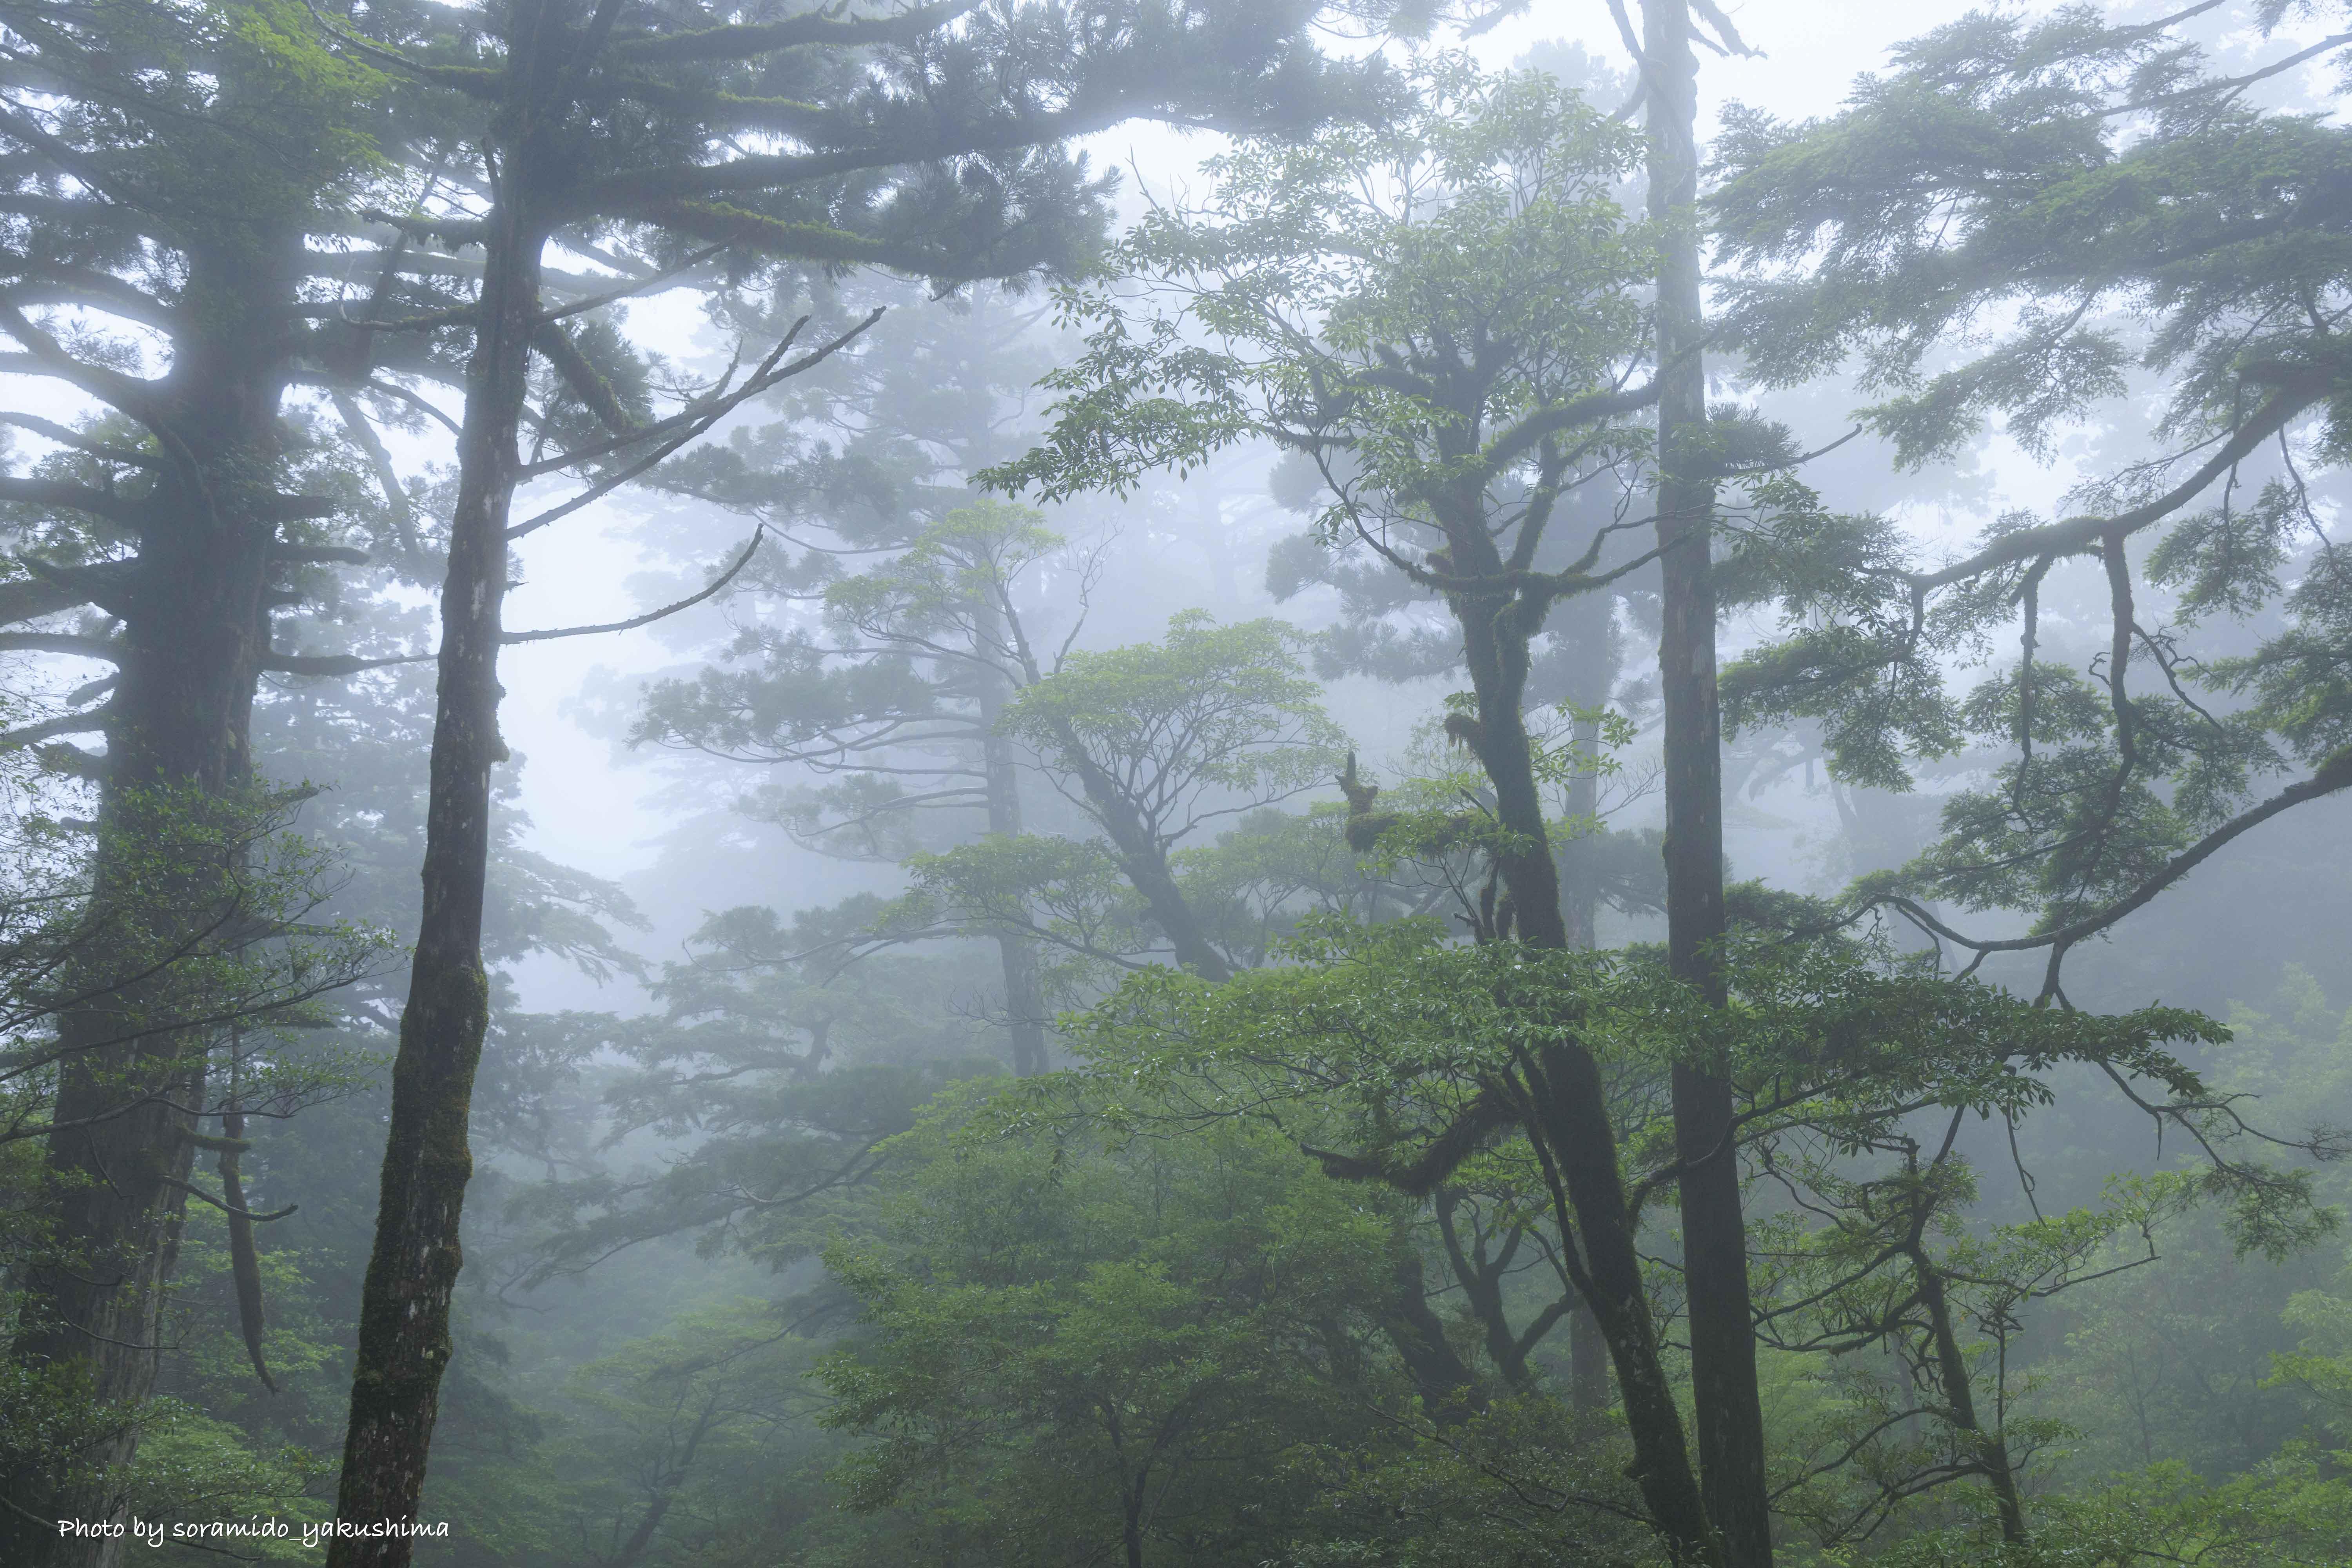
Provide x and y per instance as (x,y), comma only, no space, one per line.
(198,1192)
(2333,775)
(2298,388)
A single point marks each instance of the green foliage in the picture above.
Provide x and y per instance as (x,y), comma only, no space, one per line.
(224,118)
(1998,164)
(1488,215)
(2024,223)
(1071,895)
(209,939)
(1180,1304)
(686,1422)
(2287,1513)
(1209,722)
(1072,1338)
(1411,1028)
(783,1062)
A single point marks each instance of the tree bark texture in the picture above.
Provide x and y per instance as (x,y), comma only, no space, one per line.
(194,610)
(1714,1239)
(403,1339)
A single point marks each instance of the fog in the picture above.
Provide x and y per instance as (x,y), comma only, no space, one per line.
(1349,784)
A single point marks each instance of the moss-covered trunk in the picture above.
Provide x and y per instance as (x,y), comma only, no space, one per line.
(403,1339)
(174,799)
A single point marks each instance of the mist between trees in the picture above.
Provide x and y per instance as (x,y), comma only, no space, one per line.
(1520,818)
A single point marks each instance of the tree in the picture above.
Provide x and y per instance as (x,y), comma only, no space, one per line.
(1090,1347)
(721,1389)
(166,164)
(1396,1058)
(2119,220)
(1156,739)
(904,710)
(2118,785)
(1953,1302)
(787,1056)
(1690,456)
(534,1106)
(208,968)
(1443,317)
(613,121)
(875,452)
(934,682)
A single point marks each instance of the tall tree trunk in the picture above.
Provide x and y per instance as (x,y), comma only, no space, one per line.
(175,794)
(1570,1117)
(1131,1523)
(1024,1004)
(403,1339)
(1572,1122)
(1714,1236)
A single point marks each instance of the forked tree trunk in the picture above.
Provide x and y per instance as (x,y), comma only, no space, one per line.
(633,1551)
(1570,1117)
(1144,863)
(1714,1236)
(404,1338)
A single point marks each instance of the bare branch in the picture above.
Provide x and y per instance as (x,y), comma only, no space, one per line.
(650,616)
